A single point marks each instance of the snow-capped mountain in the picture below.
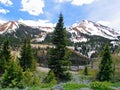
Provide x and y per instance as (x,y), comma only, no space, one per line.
(87,37)
(18,29)
(79,32)
(12,26)
(9,27)
(90,28)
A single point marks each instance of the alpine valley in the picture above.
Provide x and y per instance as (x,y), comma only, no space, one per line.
(86,37)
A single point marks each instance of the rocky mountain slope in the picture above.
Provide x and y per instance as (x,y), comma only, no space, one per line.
(92,29)
(77,31)
(19,31)
(86,37)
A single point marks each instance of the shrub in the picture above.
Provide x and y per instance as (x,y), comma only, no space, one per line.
(67,76)
(85,72)
(101,85)
(30,79)
(12,76)
(50,78)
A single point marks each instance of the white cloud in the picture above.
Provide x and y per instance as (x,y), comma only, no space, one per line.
(61,1)
(37,23)
(81,2)
(33,7)
(2,20)
(76,2)
(106,23)
(102,10)
(6,2)
(4,11)
(113,23)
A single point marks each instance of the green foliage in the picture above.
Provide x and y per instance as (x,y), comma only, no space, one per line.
(12,76)
(30,78)
(85,71)
(73,86)
(5,56)
(67,76)
(50,78)
(101,85)
(3,64)
(117,84)
(27,60)
(105,70)
(46,85)
(116,64)
(58,61)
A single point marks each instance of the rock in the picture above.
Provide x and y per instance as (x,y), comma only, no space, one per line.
(86,89)
(57,87)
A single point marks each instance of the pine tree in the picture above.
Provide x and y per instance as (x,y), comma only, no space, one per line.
(12,76)
(50,78)
(5,56)
(30,78)
(58,61)
(105,69)
(27,60)
(85,71)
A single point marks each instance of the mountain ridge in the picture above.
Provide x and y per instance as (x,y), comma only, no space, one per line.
(91,28)
(86,27)
(86,37)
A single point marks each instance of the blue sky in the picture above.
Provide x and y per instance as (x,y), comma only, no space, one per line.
(46,12)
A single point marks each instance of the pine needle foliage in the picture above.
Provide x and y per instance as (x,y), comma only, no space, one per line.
(105,68)
(58,61)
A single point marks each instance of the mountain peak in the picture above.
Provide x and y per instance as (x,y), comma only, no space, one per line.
(8,27)
(91,28)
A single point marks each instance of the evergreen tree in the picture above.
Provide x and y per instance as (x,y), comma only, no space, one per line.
(50,78)
(5,56)
(30,78)
(12,76)
(27,60)
(105,69)
(58,61)
(85,71)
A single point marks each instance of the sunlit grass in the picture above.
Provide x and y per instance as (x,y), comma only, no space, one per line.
(73,86)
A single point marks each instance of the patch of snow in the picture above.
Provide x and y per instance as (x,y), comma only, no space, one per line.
(91,28)
(90,53)
(15,36)
(75,40)
(47,29)
(40,39)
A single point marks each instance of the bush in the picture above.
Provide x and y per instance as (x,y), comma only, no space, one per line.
(12,76)
(67,76)
(101,85)
(30,79)
(50,78)
(85,72)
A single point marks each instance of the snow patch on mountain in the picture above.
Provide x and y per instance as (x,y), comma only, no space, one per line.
(91,28)
(46,29)
(9,27)
(76,30)
(39,38)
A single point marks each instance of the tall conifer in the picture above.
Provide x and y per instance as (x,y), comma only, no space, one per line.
(105,69)
(5,56)
(58,61)
(27,60)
